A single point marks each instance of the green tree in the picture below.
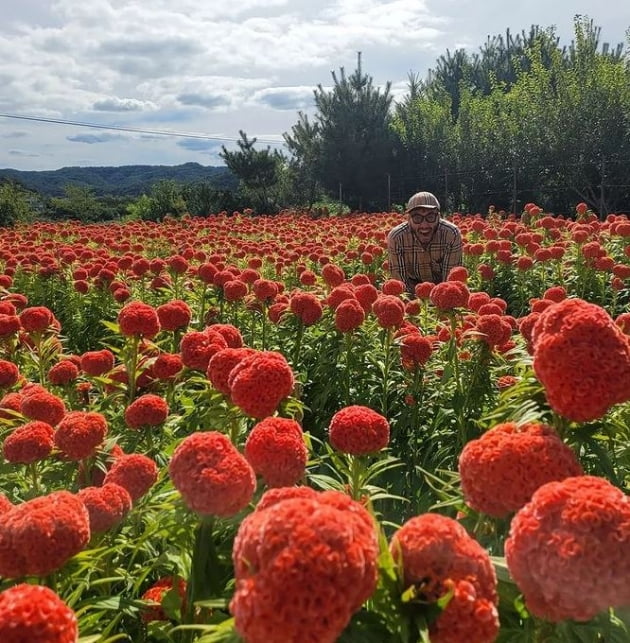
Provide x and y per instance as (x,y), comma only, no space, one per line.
(350,145)
(259,172)
(16,204)
(79,203)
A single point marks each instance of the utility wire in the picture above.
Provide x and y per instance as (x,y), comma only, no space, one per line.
(136,130)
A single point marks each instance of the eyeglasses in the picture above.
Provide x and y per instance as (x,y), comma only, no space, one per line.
(432,217)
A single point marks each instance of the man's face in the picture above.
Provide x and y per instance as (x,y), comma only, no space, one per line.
(423,222)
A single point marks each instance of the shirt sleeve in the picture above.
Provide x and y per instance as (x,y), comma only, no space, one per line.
(453,255)
(395,260)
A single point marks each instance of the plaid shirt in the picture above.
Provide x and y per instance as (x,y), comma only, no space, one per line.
(412,262)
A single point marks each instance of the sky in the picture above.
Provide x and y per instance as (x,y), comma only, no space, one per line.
(202,70)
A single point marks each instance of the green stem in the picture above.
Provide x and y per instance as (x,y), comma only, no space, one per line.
(346,379)
(131,368)
(298,345)
(34,476)
(202,307)
(263,328)
(386,365)
(357,471)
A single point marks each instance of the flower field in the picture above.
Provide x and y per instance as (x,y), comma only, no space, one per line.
(238,428)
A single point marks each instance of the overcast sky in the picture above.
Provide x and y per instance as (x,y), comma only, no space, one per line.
(214,67)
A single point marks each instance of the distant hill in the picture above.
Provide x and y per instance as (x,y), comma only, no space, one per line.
(125,180)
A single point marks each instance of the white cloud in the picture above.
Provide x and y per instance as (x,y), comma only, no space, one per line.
(215,68)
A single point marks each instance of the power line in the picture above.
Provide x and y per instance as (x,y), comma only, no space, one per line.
(135,130)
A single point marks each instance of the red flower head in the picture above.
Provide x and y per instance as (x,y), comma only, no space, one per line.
(393,287)
(569,549)
(423,290)
(234,290)
(494,329)
(197,347)
(95,363)
(265,289)
(477,300)
(174,315)
(9,325)
(106,505)
(80,433)
(135,472)
(148,410)
(415,351)
(63,372)
(555,293)
(230,333)
(155,594)
(340,294)
(449,295)
(358,430)
(35,613)
(582,359)
(282,587)
(389,311)
(259,383)
(623,321)
(221,365)
(138,319)
(166,366)
(211,475)
(36,319)
(39,404)
(306,307)
(349,315)
(458,273)
(501,470)
(366,295)
(5,504)
(9,374)
(28,443)
(39,536)
(438,556)
(275,448)
(333,275)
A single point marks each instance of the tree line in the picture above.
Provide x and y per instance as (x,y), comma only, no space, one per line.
(522,119)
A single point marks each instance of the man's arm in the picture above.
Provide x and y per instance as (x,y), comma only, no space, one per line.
(452,256)
(395,260)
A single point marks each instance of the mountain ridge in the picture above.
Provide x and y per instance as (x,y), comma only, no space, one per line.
(119,180)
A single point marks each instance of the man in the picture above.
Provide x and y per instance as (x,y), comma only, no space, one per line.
(424,247)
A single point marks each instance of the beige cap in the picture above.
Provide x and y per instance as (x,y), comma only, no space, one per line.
(423,200)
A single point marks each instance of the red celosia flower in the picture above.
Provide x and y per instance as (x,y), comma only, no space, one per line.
(138,319)
(393,287)
(259,382)
(506,381)
(449,295)
(623,321)
(222,363)
(423,290)
(36,319)
(174,315)
(349,315)
(148,410)
(28,443)
(80,433)
(555,293)
(106,505)
(5,504)
(36,614)
(358,430)
(265,289)
(415,351)
(477,300)
(493,329)
(9,374)
(166,366)
(569,549)
(39,536)
(458,273)
(340,294)
(366,295)
(9,325)
(10,405)
(63,373)
(582,359)
(211,475)
(197,347)
(135,472)
(234,290)
(275,448)
(97,363)
(155,594)
(501,470)
(438,556)
(230,333)
(389,311)
(284,594)
(42,405)
(333,275)
(306,307)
